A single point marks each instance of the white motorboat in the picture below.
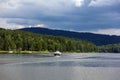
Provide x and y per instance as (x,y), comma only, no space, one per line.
(57,53)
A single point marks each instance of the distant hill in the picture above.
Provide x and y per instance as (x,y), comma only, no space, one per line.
(97,39)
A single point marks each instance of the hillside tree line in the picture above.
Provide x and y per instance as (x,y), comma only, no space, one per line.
(26,41)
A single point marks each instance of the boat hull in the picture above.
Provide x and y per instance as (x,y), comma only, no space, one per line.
(57,54)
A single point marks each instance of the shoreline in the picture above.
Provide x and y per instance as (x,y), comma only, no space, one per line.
(23,52)
(47,52)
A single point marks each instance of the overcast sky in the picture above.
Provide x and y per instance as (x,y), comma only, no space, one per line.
(98,16)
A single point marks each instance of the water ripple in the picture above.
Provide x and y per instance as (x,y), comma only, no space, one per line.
(74,64)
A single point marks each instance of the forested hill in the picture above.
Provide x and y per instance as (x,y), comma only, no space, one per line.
(95,38)
(21,40)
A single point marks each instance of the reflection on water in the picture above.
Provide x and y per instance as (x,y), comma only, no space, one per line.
(66,67)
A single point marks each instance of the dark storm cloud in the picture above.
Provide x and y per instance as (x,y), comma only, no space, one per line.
(65,14)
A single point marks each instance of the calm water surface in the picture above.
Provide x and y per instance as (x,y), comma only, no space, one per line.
(66,67)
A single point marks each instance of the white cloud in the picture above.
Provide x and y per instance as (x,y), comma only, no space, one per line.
(4,24)
(9,4)
(111,31)
(79,3)
(99,3)
(40,25)
(20,26)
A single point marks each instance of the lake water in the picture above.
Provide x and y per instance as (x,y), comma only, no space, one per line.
(67,67)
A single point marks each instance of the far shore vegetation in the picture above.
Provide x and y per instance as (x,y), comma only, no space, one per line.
(15,41)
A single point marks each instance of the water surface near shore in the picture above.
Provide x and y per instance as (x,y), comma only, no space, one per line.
(67,67)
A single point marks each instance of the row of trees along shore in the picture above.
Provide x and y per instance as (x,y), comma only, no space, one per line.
(111,48)
(25,41)
(16,40)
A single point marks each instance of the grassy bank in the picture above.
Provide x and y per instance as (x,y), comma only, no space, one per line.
(24,52)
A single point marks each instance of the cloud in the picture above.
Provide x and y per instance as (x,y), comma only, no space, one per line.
(30,12)
(99,3)
(9,4)
(111,31)
(4,24)
(40,25)
(79,3)
(19,26)
(79,15)
(44,6)
(19,23)
(113,15)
